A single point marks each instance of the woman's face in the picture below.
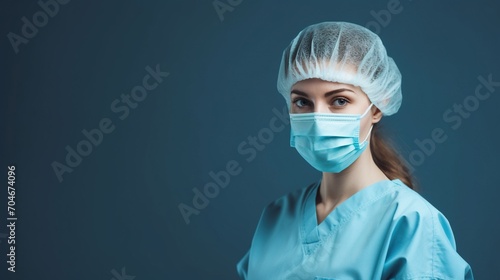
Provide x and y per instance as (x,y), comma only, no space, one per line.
(319,96)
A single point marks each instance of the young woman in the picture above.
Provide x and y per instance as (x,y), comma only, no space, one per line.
(362,220)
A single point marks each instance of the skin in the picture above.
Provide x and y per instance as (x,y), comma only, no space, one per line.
(319,96)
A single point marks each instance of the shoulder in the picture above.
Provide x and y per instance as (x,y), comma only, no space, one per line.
(421,241)
(285,207)
(291,199)
(411,202)
(402,204)
(414,214)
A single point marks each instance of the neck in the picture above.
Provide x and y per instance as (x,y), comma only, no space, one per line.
(337,187)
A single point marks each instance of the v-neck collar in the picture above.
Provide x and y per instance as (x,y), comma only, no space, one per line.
(311,232)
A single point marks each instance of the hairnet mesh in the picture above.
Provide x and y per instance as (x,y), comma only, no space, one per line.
(346,53)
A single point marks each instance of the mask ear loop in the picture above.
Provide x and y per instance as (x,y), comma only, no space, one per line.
(367,135)
(371,127)
(366,112)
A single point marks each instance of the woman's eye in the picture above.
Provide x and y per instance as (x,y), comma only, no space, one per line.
(340,102)
(299,102)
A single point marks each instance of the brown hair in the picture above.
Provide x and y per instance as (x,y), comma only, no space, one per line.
(388,160)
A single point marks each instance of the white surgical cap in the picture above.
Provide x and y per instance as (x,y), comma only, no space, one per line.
(345,53)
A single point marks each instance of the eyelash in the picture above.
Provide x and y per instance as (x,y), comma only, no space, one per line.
(341,98)
(297,99)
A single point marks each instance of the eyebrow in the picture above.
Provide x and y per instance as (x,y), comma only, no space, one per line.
(326,94)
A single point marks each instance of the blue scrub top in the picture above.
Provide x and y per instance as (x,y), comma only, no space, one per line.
(384,231)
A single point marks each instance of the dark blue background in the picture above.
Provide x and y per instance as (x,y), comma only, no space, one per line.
(119,207)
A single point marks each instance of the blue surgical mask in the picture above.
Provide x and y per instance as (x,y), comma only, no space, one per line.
(329,142)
